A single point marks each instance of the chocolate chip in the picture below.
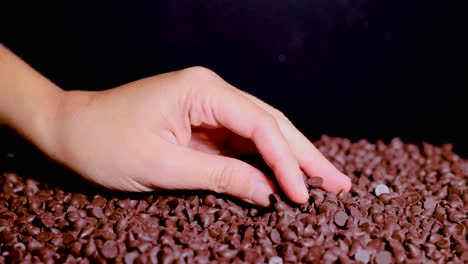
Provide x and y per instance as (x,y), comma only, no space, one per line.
(44,236)
(315,182)
(97,212)
(75,248)
(47,219)
(384,257)
(414,250)
(6,236)
(15,256)
(378,218)
(79,224)
(430,203)
(398,250)
(456,216)
(228,253)
(33,245)
(109,249)
(90,247)
(412,198)
(275,236)
(73,216)
(87,231)
(121,224)
(381,189)
(289,235)
(210,200)
(420,219)
(107,233)
(362,255)
(275,260)
(68,237)
(340,218)
(56,241)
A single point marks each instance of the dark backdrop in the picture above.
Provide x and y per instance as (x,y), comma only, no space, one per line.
(360,69)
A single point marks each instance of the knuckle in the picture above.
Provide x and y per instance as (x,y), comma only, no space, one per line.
(198,79)
(265,125)
(267,122)
(199,73)
(280,116)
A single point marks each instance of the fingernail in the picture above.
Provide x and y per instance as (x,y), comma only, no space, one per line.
(261,193)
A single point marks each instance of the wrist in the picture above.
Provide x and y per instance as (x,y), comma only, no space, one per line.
(28,101)
(58,124)
(43,123)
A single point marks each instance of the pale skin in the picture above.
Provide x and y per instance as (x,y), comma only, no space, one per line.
(169,131)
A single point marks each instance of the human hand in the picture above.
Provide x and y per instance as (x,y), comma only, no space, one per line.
(173,130)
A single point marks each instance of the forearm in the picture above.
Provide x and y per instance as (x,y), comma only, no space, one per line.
(28,101)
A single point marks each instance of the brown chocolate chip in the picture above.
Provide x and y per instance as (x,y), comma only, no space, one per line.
(109,249)
(414,250)
(412,198)
(464,257)
(90,247)
(443,243)
(108,233)
(47,254)
(73,216)
(15,256)
(378,218)
(44,236)
(56,241)
(289,235)
(421,219)
(47,219)
(275,236)
(210,200)
(75,248)
(131,257)
(384,257)
(362,255)
(97,212)
(122,203)
(228,253)
(99,201)
(68,237)
(144,247)
(6,236)
(121,224)
(340,218)
(456,216)
(315,182)
(275,260)
(79,224)
(381,189)
(235,210)
(87,231)
(430,203)
(33,245)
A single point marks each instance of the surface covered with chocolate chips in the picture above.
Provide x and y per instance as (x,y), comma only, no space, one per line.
(408,204)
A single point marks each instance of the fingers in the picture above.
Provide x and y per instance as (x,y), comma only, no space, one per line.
(312,162)
(242,116)
(186,168)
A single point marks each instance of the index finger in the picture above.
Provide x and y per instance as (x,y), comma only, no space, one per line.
(243,117)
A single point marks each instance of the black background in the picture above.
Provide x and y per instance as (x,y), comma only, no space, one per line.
(358,69)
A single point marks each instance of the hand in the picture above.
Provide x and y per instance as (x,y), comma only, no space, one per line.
(173,130)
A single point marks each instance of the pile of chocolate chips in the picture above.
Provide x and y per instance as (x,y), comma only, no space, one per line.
(408,204)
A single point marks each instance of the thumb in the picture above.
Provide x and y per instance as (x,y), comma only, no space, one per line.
(185,168)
